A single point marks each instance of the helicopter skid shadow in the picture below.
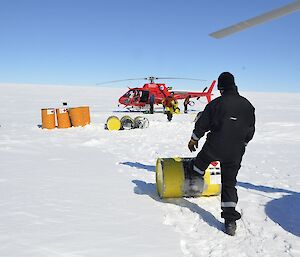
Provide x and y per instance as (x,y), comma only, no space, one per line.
(126,111)
(138,111)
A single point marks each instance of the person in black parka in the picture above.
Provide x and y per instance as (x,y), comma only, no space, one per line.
(230,121)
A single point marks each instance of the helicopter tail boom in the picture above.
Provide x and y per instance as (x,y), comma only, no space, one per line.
(209,91)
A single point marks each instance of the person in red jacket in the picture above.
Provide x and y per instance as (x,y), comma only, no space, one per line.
(171,105)
(230,123)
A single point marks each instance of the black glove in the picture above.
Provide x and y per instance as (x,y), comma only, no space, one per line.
(193,144)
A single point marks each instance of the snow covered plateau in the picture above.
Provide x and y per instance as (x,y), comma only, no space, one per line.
(90,192)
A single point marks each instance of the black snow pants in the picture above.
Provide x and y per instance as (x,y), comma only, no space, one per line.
(229,171)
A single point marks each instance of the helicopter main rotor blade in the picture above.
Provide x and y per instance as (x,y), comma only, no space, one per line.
(151,79)
(183,78)
(276,13)
(121,80)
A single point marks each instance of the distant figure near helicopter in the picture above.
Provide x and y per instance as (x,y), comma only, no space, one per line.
(186,102)
(171,106)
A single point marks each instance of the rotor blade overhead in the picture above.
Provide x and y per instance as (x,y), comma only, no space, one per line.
(184,79)
(151,79)
(121,80)
(276,13)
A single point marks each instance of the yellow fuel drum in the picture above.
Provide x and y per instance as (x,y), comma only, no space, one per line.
(174,180)
(113,123)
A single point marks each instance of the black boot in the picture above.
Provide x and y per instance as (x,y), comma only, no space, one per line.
(230,227)
(169,116)
(194,182)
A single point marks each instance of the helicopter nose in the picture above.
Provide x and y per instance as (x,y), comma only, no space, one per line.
(122,100)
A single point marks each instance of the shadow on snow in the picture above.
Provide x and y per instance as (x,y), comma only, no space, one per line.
(283,211)
(143,188)
(138,165)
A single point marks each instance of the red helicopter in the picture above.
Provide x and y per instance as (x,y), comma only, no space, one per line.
(139,97)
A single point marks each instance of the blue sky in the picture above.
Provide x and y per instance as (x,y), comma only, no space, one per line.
(83,42)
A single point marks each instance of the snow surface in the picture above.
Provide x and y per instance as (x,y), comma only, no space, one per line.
(87,192)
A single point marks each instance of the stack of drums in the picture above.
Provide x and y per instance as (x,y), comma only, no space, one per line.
(126,123)
(66,117)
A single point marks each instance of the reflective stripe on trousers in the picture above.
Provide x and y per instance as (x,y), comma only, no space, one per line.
(201,172)
(228,204)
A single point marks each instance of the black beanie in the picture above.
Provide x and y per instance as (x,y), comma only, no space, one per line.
(226,81)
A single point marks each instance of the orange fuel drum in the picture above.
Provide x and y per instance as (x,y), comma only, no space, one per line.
(48,118)
(86,115)
(63,119)
(79,116)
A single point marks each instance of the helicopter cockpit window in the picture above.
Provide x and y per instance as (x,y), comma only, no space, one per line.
(127,94)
